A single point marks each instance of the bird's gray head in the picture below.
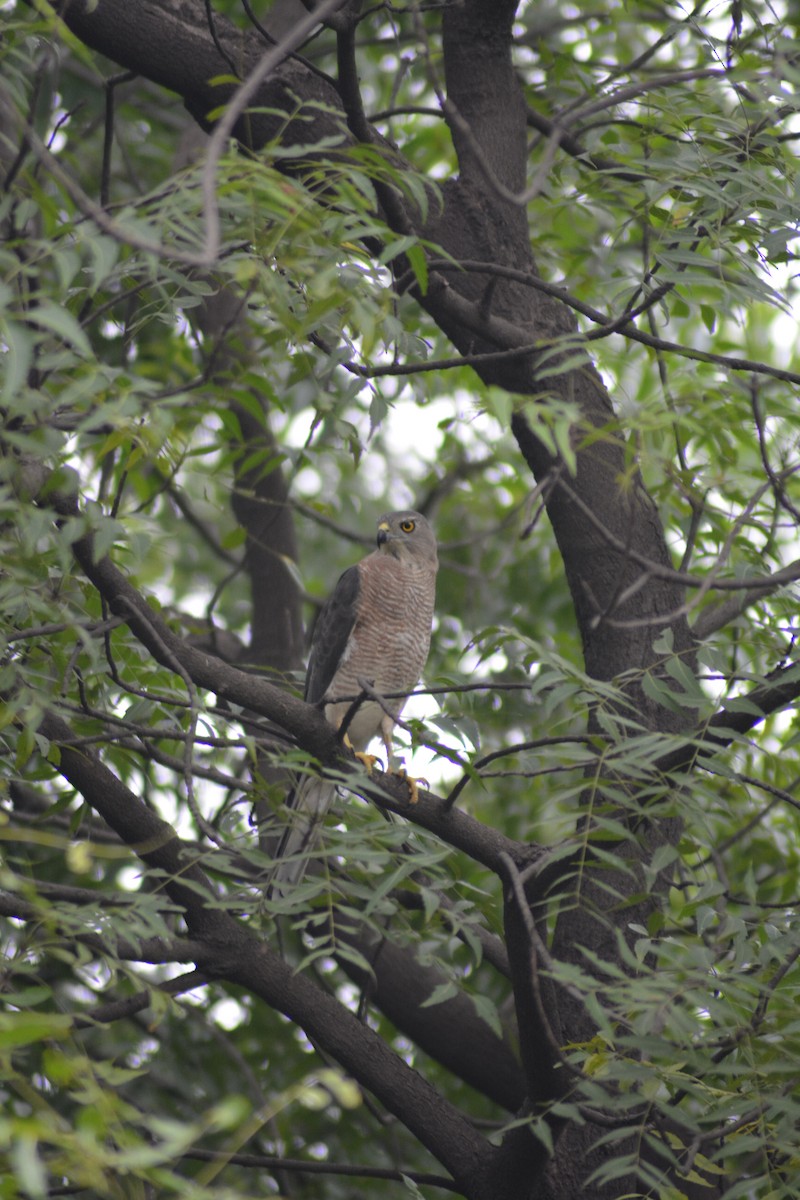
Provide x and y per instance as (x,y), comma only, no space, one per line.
(407,534)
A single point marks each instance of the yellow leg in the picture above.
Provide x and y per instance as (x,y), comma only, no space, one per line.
(413,785)
(368,760)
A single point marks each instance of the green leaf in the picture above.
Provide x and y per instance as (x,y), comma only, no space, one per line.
(25,1028)
(487,1011)
(17,359)
(61,322)
(28,1167)
(441,993)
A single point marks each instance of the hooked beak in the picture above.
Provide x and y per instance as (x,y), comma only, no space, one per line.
(383,533)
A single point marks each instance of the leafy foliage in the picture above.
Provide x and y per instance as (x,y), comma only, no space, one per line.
(166,393)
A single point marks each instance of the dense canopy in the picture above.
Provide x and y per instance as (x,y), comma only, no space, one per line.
(268,270)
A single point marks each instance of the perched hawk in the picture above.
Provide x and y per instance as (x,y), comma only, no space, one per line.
(374,627)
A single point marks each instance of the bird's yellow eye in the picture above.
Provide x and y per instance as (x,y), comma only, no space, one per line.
(407,526)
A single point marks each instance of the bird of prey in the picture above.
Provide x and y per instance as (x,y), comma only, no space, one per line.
(374,627)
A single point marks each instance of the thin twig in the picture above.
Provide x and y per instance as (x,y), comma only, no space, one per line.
(311,1167)
(117,1010)
(235,107)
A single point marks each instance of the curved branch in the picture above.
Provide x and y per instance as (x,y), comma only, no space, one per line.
(304,722)
(301,720)
(169,43)
(154,840)
(741,714)
(225,949)
(452,1033)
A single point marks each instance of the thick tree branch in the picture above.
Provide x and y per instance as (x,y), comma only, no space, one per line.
(780,689)
(436,1124)
(480,313)
(223,948)
(153,839)
(303,721)
(451,1032)
(169,42)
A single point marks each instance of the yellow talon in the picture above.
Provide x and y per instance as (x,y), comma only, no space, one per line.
(368,760)
(413,785)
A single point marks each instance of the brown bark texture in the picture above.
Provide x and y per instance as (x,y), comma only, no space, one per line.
(604,528)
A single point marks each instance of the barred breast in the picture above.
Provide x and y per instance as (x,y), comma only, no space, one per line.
(389,643)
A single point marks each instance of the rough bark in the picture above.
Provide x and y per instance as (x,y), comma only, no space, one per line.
(452,1033)
(225,949)
(260,498)
(170,44)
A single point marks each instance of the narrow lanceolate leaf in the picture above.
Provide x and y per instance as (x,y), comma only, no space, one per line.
(532,278)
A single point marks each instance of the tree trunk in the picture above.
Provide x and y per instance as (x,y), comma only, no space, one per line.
(605,524)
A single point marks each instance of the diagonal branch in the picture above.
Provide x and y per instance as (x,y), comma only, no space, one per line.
(741,714)
(303,721)
(224,948)
(452,1033)
(154,840)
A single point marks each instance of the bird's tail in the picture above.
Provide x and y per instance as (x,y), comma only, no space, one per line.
(308,804)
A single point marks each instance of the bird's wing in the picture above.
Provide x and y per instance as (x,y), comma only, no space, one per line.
(332,632)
